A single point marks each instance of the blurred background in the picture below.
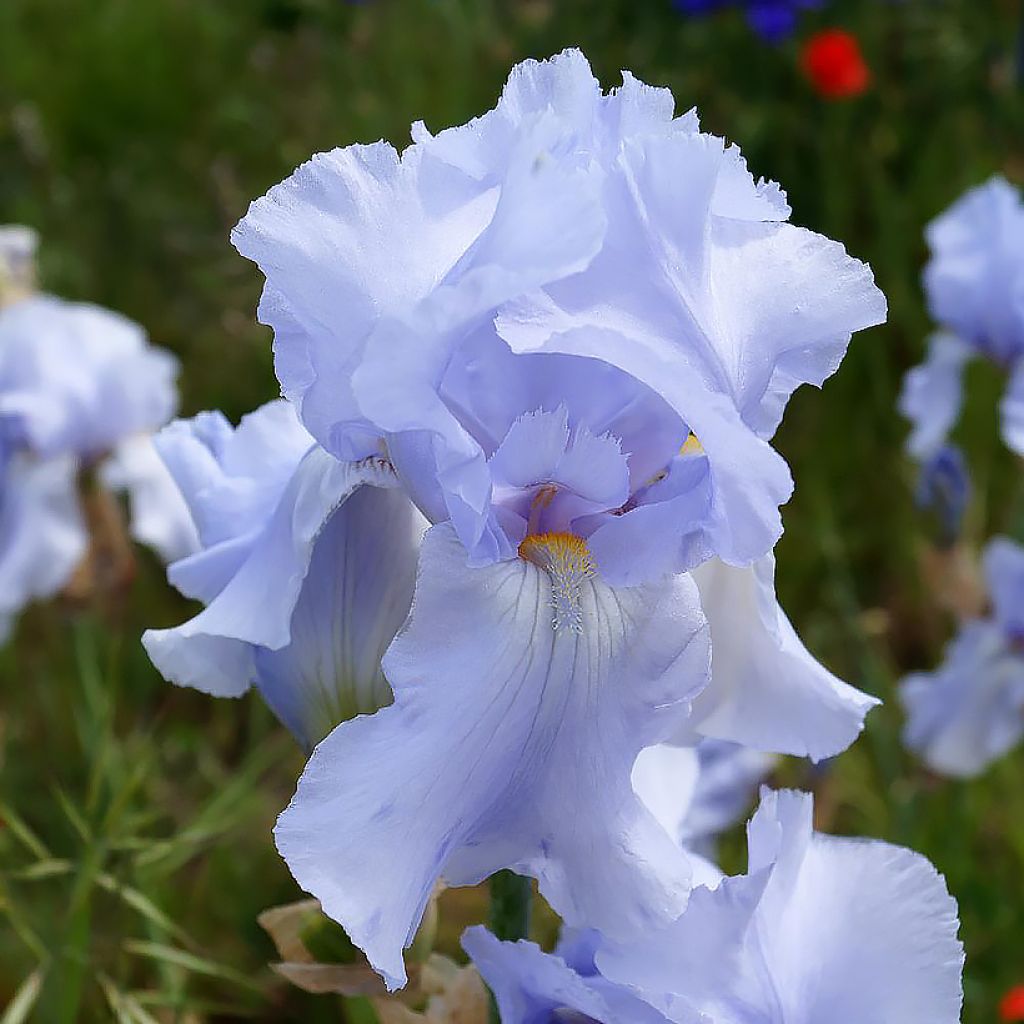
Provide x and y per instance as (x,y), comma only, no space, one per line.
(135,847)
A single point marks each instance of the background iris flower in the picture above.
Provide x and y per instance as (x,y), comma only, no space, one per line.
(974,282)
(971,710)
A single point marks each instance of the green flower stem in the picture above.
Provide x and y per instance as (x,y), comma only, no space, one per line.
(511,896)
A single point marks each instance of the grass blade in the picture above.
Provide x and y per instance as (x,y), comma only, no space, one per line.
(24,999)
(191,962)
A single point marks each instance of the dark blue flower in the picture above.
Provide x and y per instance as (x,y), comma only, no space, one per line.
(772,20)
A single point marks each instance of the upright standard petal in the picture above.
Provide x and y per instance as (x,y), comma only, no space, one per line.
(854,932)
(573,223)
(510,744)
(767,691)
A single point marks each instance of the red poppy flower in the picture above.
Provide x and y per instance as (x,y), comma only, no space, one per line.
(833,62)
(1011,1006)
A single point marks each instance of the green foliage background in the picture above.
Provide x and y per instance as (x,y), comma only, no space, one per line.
(136,850)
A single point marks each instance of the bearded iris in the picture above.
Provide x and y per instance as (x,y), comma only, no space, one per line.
(570,328)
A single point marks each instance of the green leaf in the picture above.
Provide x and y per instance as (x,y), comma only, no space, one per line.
(22,832)
(125,1007)
(73,814)
(140,902)
(43,869)
(191,962)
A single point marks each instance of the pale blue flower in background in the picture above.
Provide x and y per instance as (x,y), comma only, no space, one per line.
(306,568)
(974,282)
(80,388)
(80,379)
(572,325)
(698,792)
(970,710)
(42,534)
(820,930)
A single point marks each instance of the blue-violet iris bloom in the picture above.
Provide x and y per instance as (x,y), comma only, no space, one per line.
(571,328)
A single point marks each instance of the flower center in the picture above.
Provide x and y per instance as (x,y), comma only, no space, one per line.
(568,562)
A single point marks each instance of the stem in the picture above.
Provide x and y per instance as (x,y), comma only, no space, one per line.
(511,896)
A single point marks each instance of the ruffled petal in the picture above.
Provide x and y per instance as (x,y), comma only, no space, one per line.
(510,744)
(547,224)
(352,235)
(857,932)
(767,691)
(233,478)
(821,929)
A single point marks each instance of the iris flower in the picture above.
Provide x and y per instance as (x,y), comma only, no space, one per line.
(971,710)
(305,565)
(81,388)
(570,327)
(820,930)
(975,287)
